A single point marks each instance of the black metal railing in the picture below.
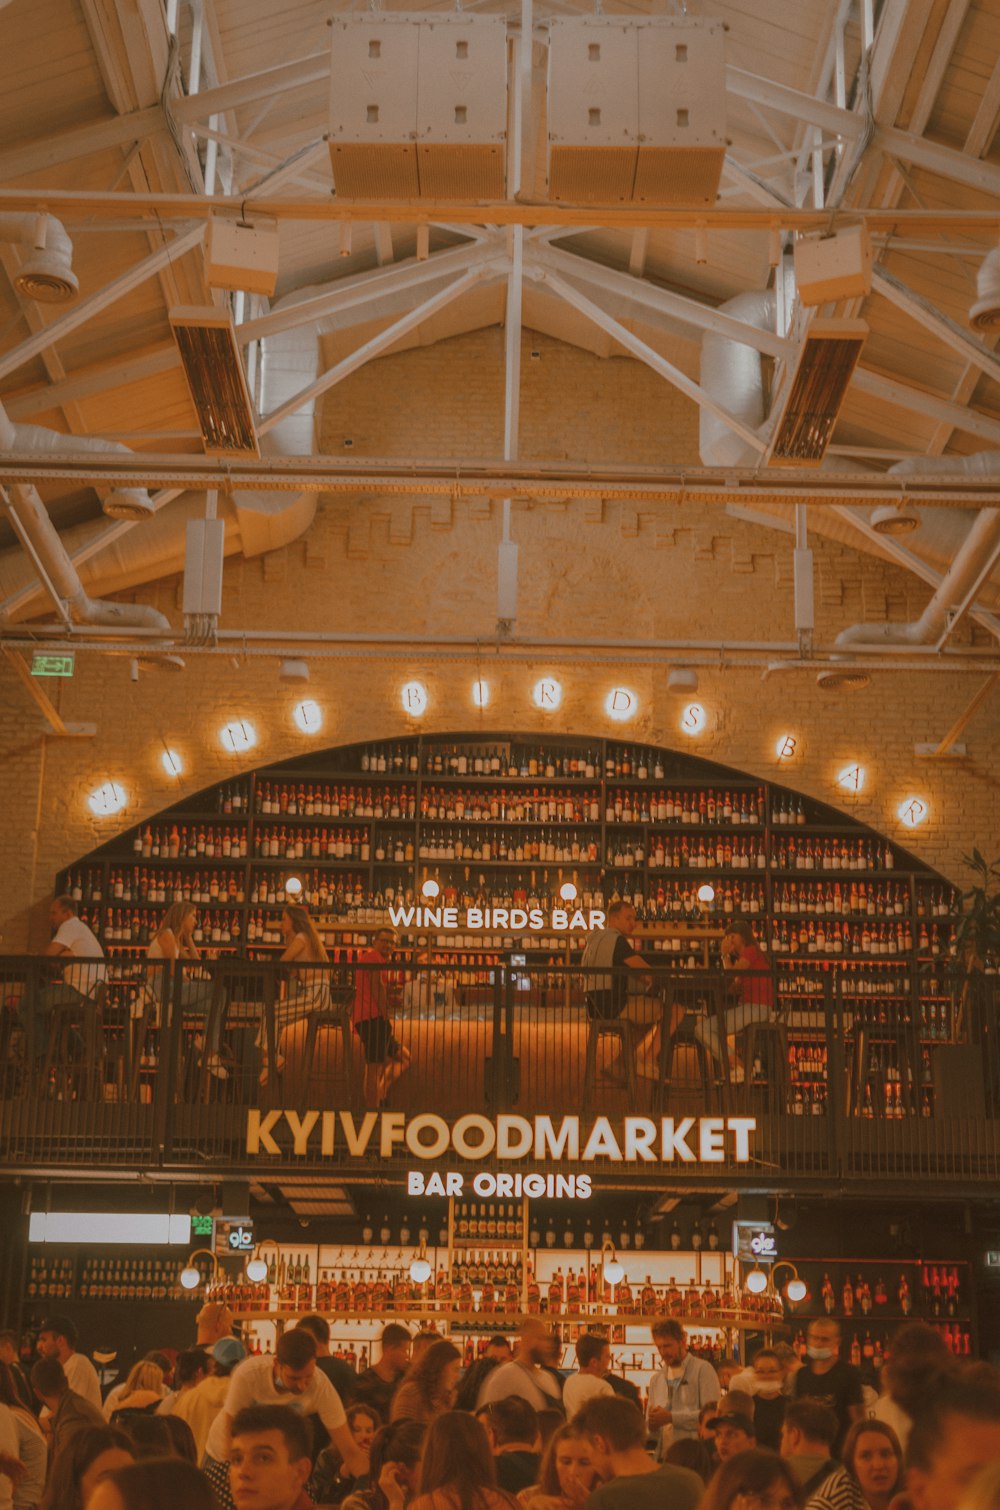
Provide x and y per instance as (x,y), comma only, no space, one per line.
(848,1075)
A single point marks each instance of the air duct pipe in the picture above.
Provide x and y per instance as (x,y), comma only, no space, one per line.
(982,543)
(32,521)
(731,373)
(46,272)
(118,503)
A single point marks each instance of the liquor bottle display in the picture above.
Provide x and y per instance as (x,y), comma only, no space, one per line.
(506,823)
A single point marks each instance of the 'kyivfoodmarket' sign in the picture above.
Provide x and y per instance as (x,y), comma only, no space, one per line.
(506,1138)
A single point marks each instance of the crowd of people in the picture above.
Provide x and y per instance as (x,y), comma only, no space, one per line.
(208,1428)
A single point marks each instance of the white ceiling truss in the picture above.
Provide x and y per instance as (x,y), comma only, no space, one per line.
(211,120)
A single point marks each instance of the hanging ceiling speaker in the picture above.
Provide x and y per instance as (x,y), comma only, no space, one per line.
(45,277)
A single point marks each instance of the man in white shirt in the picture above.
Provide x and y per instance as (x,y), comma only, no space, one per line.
(593,1358)
(58,1339)
(289,1379)
(679,1388)
(79,982)
(524,1375)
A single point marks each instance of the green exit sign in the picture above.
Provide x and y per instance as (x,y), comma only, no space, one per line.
(44,664)
(201,1226)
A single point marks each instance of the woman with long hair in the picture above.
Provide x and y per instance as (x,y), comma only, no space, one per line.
(874,1459)
(566,1475)
(457,1470)
(32,1448)
(173,943)
(141,1394)
(429,1386)
(307,989)
(395,1468)
(154,1484)
(753,1481)
(87,1458)
(920,1361)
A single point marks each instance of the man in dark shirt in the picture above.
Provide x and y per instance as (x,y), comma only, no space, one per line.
(70,1412)
(826,1378)
(630,1480)
(377,1385)
(512,1426)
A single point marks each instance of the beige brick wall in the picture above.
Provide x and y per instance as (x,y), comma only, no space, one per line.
(427,568)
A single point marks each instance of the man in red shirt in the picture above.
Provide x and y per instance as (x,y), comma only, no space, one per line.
(375,991)
(754,992)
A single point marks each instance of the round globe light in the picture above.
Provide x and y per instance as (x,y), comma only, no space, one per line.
(256,1271)
(190,1277)
(756,1281)
(420,1271)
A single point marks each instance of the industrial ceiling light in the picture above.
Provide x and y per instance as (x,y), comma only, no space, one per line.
(682,681)
(889,520)
(216,380)
(846,680)
(985,313)
(815,393)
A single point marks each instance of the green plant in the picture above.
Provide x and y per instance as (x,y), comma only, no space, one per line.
(977,940)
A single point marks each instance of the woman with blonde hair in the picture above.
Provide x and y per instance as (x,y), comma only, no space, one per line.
(307,989)
(173,943)
(141,1393)
(567,1473)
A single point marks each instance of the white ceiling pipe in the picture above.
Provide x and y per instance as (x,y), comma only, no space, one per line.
(981,542)
(731,374)
(46,271)
(43,537)
(32,439)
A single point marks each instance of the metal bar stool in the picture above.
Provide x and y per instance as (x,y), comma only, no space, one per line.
(683,1038)
(628,1036)
(766,1043)
(83,1077)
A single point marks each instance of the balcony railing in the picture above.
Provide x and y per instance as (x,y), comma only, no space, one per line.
(849,1079)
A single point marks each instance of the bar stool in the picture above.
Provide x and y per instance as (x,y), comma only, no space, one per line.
(628,1038)
(337,1015)
(684,1038)
(83,1077)
(768,1042)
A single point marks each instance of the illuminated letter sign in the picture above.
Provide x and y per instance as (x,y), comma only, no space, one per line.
(852,778)
(547,694)
(913,811)
(786,747)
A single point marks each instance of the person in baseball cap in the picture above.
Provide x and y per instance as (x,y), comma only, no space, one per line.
(200,1406)
(733,1426)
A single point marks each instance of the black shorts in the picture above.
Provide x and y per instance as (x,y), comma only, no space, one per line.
(377,1039)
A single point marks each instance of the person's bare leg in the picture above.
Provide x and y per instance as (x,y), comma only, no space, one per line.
(392,1070)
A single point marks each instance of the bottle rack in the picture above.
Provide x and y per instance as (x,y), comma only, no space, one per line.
(871,1299)
(506,821)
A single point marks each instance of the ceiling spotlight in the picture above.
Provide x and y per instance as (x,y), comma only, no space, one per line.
(46,273)
(985,313)
(889,520)
(160,661)
(842,681)
(682,681)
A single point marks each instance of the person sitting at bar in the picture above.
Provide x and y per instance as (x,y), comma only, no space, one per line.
(57,1338)
(755,994)
(618,984)
(269,1460)
(68,1411)
(306,991)
(395,1468)
(385,1057)
(79,983)
(174,942)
